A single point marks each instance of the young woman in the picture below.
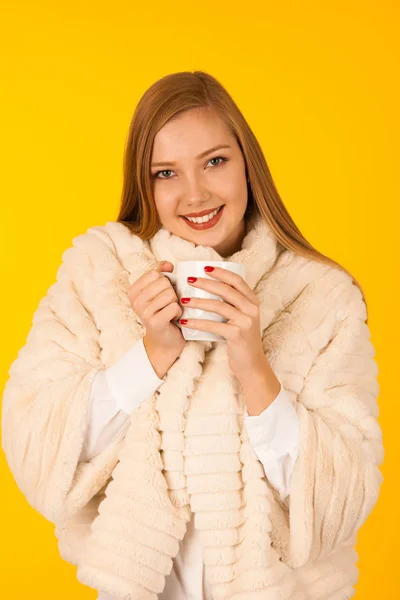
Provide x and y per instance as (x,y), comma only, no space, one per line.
(188,469)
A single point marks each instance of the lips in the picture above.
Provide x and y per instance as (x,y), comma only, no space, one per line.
(203,213)
(207,225)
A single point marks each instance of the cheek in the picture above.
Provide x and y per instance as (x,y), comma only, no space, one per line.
(233,188)
(165,202)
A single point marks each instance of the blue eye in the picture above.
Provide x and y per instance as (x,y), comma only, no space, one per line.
(155,175)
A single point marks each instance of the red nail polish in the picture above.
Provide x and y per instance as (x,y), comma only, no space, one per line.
(192,279)
(183,321)
(209,269)
(185,300)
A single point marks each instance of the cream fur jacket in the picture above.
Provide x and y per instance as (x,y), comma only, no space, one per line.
(185,450)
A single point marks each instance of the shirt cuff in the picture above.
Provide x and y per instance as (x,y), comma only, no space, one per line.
(276,427)
(132,378)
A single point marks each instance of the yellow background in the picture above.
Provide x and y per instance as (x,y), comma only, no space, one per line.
(318,85)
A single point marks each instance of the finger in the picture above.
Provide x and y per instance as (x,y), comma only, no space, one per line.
(218,306)
(164,265)
(235,280)
(159,302)
(151,287)
(228,293)
(146,279)
(223,329)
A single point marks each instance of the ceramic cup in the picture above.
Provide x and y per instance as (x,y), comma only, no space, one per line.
(195,268)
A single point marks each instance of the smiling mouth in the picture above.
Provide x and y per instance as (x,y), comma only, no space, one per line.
(213,222)
(218,209)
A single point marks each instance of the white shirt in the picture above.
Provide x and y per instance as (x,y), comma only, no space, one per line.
(274,434)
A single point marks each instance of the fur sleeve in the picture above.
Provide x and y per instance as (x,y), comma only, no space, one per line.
(46,398)
(336,479)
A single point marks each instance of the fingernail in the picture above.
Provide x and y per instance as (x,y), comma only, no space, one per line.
(183,321)
(191,279)
(209,269)
(185,300)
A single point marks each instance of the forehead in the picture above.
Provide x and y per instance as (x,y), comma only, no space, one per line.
(190,133)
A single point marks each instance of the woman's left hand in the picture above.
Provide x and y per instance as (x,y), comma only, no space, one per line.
(241,308)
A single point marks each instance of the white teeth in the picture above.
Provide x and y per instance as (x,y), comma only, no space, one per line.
(203,219)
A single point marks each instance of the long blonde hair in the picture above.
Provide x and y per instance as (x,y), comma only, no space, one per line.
(165,99)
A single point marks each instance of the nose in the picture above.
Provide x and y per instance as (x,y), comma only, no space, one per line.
(196,191)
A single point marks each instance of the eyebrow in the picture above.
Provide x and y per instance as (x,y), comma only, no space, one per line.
(161,164)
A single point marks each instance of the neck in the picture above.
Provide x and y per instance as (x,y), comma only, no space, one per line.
(233,243)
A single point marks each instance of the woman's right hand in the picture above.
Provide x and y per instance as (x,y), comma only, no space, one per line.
(154,300)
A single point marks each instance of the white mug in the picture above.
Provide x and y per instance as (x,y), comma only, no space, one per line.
(195,268)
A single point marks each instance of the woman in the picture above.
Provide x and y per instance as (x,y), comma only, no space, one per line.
(257,459)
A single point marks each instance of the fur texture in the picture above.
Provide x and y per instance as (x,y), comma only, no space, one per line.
(120,517)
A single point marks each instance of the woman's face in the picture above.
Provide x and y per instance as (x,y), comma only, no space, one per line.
(188,178)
